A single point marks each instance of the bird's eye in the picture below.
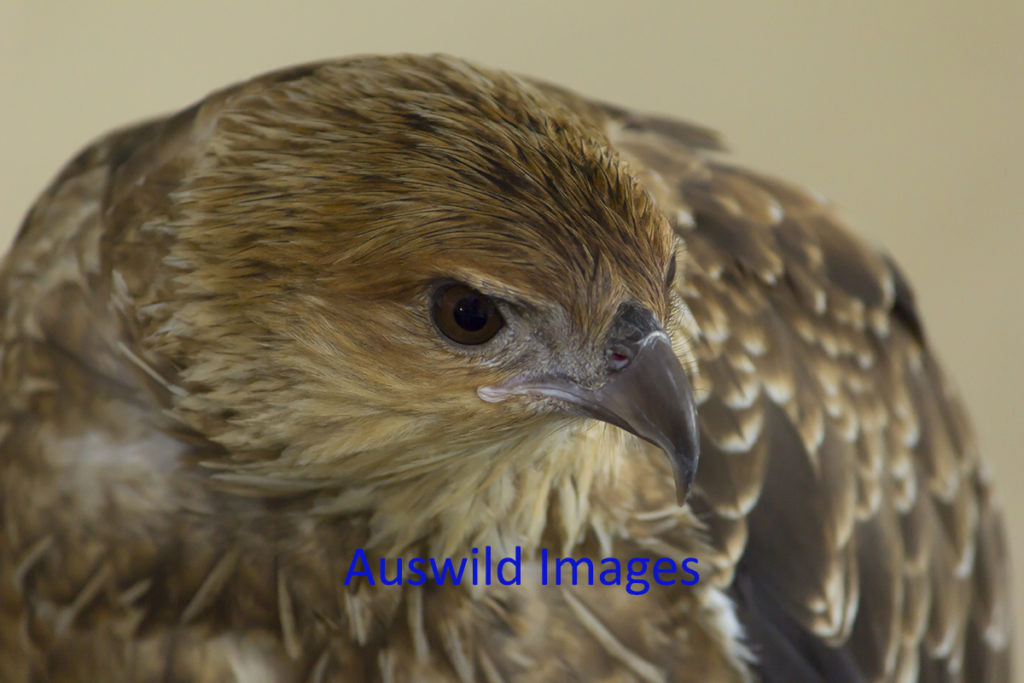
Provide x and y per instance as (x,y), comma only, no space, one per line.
(465,315)
(671,275)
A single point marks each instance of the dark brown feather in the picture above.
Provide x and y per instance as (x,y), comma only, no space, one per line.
(858,424)
(165,513)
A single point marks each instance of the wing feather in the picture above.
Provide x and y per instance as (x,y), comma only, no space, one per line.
(839,481)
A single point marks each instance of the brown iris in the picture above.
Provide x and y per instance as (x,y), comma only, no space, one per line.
(465,315)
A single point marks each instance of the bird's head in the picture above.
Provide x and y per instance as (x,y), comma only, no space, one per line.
(396,272)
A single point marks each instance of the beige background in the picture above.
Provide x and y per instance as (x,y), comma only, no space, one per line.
(908,114)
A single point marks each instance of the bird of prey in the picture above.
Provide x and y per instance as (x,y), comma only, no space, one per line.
(407,307)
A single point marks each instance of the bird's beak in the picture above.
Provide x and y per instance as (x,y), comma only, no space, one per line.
(647,394)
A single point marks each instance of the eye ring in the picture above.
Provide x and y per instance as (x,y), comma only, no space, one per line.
(464,315)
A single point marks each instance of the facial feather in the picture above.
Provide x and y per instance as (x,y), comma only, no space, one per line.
(309,231)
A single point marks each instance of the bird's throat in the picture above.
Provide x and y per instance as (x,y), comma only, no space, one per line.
(529,490)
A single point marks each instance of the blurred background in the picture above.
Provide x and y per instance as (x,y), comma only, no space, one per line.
(909,115)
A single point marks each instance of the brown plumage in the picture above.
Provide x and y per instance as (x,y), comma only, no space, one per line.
(226,366)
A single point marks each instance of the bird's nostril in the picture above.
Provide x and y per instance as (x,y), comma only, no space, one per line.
(618,358)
